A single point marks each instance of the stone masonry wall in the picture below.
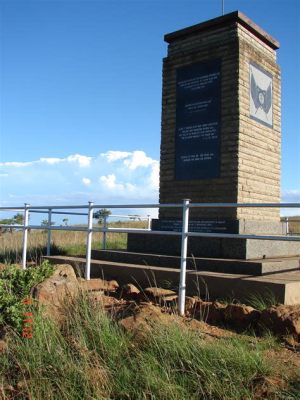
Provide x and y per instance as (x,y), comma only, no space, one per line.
(259,145)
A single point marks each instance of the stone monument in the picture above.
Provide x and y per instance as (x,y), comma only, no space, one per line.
(220,143)
(220,139)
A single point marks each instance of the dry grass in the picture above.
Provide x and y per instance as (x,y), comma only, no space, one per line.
(294,225)
(63,242)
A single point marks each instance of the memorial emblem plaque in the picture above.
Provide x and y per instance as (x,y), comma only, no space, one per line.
(198,107)
(261,95)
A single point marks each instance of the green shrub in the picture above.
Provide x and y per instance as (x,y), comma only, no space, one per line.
(15,286)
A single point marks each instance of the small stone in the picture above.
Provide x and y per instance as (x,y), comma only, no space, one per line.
(240,314)
(130,289)
(3,346)
(153,292)
(97,285)
(189,304)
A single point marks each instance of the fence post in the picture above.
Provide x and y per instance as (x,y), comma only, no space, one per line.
(49,231)
(104,233)
(184,246)
(149,222)
(89,242)
(25,234)
(287,226)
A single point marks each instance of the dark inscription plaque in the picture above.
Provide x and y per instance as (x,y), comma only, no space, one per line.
(206,226)
(198,108)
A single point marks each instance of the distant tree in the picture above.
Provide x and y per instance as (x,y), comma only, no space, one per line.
(101,214)
(6,221)
(18,219)
(45,222)
(135,217)
(15,220)
(65,221)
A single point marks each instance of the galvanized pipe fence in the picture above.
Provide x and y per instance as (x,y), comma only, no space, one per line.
(186,205)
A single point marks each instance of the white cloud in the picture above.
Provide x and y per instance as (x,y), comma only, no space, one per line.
(86,181)
(109,181)
(154,176)
(112,155)
(115,177)
(3,175)
(51,160)
(138,159)
(83,161)
(17,163)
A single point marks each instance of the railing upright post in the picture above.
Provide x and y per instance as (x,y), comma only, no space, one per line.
(149,222)
(104,233)
(287,226)
(25,235)
(49,231)
(89,241)
(184,246)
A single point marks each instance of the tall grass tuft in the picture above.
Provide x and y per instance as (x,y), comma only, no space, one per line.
(261,302)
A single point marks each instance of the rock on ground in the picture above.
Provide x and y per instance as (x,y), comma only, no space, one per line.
(55,291)
(98,285)
(282,320)
(241,315)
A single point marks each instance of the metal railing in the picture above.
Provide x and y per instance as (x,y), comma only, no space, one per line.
(90,229)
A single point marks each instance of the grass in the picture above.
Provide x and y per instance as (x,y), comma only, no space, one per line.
(294,224)
(262,302)
(92,358)
(63,242)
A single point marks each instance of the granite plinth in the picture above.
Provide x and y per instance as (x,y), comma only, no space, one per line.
(232,266)
(285,286)
(239,248)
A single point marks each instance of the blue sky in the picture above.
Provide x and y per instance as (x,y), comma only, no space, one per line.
(80,94)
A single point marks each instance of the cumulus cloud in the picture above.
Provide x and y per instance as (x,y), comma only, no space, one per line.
(115,155)
(51,160)
(17,163)
(138,159)
(83,161)
(110,178)
(86,181)
(109,181)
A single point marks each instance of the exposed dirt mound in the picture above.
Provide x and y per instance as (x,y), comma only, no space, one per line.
(146,317)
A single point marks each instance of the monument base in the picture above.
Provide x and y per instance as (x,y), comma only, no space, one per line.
(239,248)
